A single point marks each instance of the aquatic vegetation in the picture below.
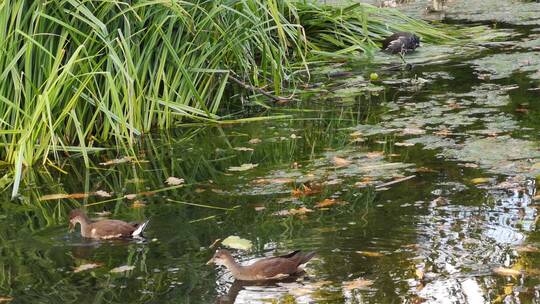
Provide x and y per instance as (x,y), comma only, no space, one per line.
(76,74)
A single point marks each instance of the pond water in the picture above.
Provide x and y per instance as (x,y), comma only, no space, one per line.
(428,179)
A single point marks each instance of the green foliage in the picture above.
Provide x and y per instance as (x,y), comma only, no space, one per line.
(74,72)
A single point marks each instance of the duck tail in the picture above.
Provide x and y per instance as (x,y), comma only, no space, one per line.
(306,257)
(140,229)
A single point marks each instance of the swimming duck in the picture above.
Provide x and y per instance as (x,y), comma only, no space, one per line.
(273,268)
(401,42)
(104,229)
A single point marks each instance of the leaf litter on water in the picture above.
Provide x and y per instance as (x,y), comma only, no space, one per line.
(357,284)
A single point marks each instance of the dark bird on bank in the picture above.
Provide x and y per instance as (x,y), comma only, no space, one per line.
(273,268)
(401,42)
(104,229)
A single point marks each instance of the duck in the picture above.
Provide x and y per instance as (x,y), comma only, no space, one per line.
(104,229)
(272,268)
(401,42)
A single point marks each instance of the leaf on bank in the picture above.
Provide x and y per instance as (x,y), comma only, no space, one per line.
(122,269)
(236,242)
(174,181)
(85,267)
(243,167)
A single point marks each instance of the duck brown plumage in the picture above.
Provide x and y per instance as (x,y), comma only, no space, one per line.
(104,229)
(265,269)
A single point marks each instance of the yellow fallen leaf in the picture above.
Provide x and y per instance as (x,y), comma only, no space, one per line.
(88,266)
(357,284)
(370,254)
(506,271)
(300,211)
(419,273)
(340,162)
(480,180)
(122,269)
(137,204)
(236,242)
(326,203)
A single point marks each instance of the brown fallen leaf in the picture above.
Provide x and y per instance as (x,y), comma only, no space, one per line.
(340,162)
(122,269)
(357,284)
(506,271)
(174,181)
(88,266)
(370,254)
(527,248)
(419,273)
(443,132)
(375,154)
(326,203)
(306,191)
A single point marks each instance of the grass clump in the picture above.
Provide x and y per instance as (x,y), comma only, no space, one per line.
(75,73)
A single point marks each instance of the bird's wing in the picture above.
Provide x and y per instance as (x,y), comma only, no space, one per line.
(275,267)
(112,229)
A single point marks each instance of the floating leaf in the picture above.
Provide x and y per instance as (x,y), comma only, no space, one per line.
(357,284)
(340,162)
(243,167)
(370,254)
(282,180)
(305,190)
(480,180)
(506,271)
(174,181)
(84,267)
(122,269)
(236,242)
(326,203)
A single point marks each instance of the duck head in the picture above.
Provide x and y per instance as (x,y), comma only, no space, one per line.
(221,257)
(76,216)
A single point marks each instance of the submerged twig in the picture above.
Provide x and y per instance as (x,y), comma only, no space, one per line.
(199,205)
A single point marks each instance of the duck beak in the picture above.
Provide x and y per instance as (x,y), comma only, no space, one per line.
(210,262)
